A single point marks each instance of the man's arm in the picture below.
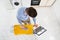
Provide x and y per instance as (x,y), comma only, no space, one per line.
(19,21)
(35,24)
(34,19)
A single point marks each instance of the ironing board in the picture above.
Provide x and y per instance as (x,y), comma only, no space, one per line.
(19,31)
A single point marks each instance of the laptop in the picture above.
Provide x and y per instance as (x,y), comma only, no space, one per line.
(40,30)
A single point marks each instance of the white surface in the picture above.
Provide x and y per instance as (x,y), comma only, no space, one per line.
(46,2)
(48,17)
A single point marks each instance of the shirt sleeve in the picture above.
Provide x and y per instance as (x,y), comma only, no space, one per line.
(19,21)
(20,14)
(34,19)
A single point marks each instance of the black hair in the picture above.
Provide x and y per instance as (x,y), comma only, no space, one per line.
(31,12)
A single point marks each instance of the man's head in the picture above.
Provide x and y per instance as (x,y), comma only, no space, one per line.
(31,12)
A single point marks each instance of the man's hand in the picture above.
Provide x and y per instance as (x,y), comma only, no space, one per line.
(35,25)
(23,27)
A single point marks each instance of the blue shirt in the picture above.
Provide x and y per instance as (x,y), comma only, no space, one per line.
(22,15)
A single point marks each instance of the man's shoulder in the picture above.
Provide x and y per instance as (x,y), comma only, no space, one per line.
(21,9)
